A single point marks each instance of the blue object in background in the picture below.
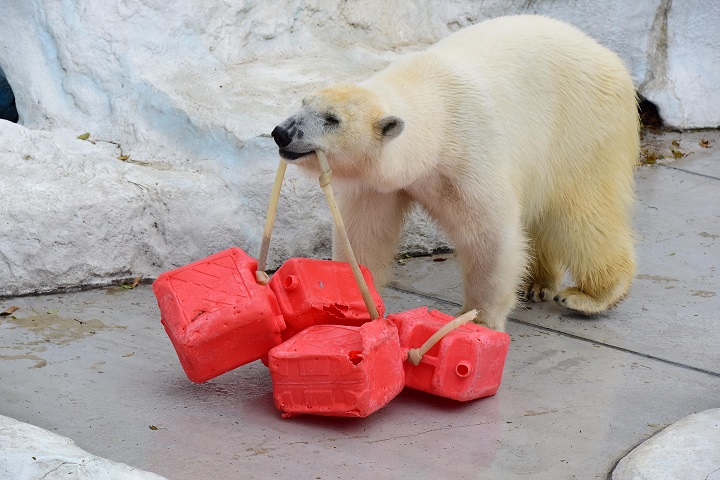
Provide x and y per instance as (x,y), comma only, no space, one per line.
(8,110)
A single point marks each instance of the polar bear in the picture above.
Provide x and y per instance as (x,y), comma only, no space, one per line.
(518,135)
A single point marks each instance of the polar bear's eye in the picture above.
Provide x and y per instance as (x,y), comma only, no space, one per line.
(331,120)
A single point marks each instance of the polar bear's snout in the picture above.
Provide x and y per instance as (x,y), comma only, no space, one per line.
(281,136)
(289,140)
(297,136)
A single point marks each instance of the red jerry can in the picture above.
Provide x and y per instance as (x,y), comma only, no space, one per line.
(321,292)
(337,370)
(465,364)
(216,315)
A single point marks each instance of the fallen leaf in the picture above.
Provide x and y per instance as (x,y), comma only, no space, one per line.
(651,158)
(153,427)
(9,311)
(129,354)
(439,259)
(84,136)
(704,143)
(129,286)
(123,157)
(677,153)
(675,143)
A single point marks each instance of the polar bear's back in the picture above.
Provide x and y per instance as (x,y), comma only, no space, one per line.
(521,43)
(564,103)
(548,62)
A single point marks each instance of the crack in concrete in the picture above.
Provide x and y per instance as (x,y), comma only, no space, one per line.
(448,427)
(688,171)
(64,462)
(708,475)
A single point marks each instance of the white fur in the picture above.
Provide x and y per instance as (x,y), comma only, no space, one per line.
(520,136)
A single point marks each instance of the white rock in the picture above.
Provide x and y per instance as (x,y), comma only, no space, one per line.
(686,450)
(692,82)
(74,214)
(31,453)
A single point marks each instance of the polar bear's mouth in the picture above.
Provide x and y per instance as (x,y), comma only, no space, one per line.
(288,155)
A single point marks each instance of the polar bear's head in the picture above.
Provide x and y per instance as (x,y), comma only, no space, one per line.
(347,122)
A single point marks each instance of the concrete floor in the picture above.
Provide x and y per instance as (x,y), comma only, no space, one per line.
(577,394)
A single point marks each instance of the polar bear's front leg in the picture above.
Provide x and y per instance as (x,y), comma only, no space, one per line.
(373,221)
(492,254)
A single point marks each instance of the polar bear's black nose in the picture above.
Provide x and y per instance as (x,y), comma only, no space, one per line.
(281,137)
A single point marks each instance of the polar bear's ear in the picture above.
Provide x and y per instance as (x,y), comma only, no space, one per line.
(390,126)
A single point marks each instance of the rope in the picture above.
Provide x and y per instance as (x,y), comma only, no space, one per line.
(415,354)
(330,197)
(260,275)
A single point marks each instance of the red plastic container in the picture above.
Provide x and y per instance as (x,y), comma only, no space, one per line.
(464,365)
(338,370)
(216,315)
(321,292)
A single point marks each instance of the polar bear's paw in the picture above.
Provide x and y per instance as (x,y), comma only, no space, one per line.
(575,299)
(537,293)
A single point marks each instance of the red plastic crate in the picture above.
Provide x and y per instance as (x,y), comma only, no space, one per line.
(338,370)
(216,315)
(464,365)
(321,292)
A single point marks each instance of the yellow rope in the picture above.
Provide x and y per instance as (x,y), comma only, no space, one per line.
(415,354)
(330,196)
(260,275)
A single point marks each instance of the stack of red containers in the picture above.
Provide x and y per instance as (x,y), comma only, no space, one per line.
(311,327)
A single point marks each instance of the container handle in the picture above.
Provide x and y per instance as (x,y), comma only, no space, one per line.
(415,354)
